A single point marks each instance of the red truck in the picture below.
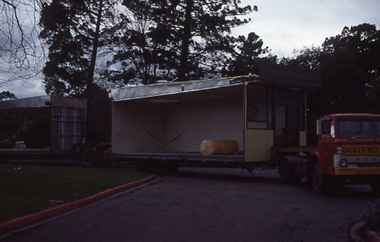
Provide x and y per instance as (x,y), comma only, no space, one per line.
(348,151)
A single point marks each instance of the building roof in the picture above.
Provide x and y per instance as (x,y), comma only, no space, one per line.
(269,74)
(30,102)
(184,88)
(43,102)
(350,115)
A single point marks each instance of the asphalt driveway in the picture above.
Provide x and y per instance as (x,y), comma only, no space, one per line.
(211,205)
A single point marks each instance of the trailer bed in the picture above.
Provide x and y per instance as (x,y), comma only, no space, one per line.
(25,151)
(181,157)
(6,154)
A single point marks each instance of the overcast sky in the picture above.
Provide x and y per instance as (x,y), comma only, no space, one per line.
(284,26)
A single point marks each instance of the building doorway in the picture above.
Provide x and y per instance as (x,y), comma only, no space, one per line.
(287,117)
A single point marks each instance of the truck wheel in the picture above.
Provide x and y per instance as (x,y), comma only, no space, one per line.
(319,179)
(375,186)
(88,159)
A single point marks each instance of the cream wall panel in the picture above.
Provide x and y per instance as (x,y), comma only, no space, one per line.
(176,127)
(138,128)
(191,123)
(258,145)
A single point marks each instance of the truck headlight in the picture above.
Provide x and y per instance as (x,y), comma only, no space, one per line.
(339,150)
(343,163)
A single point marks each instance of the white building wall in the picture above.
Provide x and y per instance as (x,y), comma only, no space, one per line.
(175,127)
(137,128)
(191,123)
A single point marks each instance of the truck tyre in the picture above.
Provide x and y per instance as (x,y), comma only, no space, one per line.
(319,179)
(375,186)
(88,159)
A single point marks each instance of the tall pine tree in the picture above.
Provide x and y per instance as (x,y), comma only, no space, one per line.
(249,52)
(177,40)
(72,29)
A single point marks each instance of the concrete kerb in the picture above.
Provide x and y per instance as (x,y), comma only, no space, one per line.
(21,221)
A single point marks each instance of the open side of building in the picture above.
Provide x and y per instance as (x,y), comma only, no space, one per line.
(169,121)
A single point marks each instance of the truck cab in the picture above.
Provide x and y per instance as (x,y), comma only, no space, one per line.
(348,150)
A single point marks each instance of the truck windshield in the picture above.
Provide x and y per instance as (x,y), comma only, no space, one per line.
(356,128)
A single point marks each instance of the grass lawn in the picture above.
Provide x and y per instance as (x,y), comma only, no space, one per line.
(26,189)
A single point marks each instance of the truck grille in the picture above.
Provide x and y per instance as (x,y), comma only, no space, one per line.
(368,165)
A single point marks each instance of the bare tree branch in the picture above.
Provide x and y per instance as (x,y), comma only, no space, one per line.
(21,52)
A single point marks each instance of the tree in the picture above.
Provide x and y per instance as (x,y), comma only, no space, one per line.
(211,21)
(350,71)
(140,46)
(309,58)
(73,31)
(351,66)
(21,53)
(5,95)
(67,32)
(249,53)
(177,40)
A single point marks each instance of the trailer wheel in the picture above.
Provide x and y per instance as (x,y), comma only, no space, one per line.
(319,179)
(88,159)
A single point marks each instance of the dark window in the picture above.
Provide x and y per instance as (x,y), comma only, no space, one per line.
(358,128)
(257,107)
(326,127)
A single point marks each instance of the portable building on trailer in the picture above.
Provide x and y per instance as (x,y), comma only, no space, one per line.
(168,122)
